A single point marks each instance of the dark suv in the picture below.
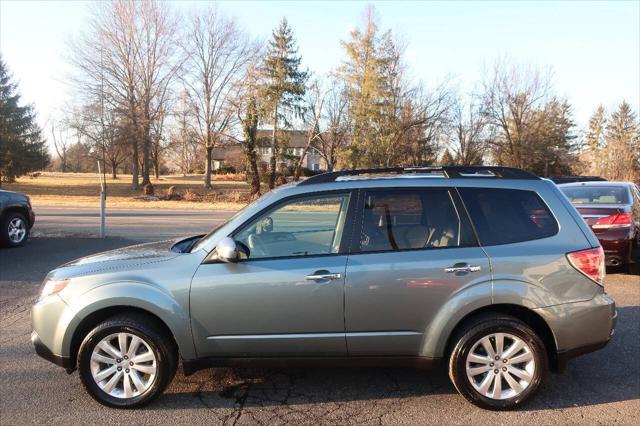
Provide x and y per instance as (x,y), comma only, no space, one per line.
(489,271)
(16,218)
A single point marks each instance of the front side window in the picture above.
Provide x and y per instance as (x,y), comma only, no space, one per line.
(411,219)
(300,227)
(504,216)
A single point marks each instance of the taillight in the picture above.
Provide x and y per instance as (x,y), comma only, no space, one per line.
(618,220)
(590,262)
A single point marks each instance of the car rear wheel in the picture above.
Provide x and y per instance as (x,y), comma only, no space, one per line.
(498,362)
(127,361)
(15,230)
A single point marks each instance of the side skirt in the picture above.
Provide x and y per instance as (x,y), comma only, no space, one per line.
(191,366)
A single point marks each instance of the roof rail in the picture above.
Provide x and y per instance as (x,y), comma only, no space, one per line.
(448,171)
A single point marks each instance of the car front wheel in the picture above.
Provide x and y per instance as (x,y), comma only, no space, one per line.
(498,362)
(127,361)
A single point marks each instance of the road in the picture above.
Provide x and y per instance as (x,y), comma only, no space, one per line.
(138,224)
(602,387)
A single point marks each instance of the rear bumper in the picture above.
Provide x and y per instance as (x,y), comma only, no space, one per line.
(580,327)
(617,245)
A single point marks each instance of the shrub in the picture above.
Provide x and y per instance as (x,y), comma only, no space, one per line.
(190,195)
(173,194)
(148,189)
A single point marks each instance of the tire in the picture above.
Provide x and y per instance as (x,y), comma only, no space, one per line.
(143,386)
(468,341)
(15,230)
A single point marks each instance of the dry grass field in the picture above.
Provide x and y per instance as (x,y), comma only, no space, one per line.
(83,190)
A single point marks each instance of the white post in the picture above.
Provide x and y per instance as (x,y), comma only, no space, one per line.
(103,201)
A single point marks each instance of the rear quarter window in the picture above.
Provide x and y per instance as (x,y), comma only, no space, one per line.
(504,216)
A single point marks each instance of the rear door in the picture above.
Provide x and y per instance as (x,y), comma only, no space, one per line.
(412,249)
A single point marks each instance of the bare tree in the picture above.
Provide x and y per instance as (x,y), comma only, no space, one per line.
(313,114)
(337,135)
(218,55)
(61,142)
(183,144)
(157,64)
(159,142)
(104,132)
(125,61)
(512,97)
(468,138)
(106,61)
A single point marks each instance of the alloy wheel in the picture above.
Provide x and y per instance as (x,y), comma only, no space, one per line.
(17,230)
(123,365)
(500,366)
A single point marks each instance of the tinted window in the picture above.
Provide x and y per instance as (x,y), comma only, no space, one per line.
(405,220)
(299,227)
(503,216)
(596,194)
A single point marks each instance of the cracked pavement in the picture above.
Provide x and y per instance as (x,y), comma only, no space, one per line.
(602,387)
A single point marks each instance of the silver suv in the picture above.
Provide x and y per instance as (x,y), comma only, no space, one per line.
(488,270)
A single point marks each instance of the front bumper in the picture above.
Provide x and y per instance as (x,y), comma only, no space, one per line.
(51,320)
(32,217)
(42,350)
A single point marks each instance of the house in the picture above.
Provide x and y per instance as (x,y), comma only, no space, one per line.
(295,142)
(230,155)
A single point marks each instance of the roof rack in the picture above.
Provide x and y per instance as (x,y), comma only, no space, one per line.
(448,172)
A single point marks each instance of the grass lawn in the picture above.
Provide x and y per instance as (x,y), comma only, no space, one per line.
(83,190)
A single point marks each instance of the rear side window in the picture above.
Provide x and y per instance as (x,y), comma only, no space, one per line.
(596,194)
(411,220)
(504,216)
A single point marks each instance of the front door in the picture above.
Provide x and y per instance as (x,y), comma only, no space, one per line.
(287,297)
(412,251)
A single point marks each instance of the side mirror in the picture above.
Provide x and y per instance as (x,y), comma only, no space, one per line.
(227,250)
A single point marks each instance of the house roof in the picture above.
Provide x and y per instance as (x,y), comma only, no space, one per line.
(219,153)
(293,138)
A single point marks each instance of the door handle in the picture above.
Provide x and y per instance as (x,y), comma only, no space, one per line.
(323,275)
(462,267)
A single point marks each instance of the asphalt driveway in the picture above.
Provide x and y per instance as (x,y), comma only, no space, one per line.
(602,387)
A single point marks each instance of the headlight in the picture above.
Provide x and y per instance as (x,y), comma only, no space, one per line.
(52,287)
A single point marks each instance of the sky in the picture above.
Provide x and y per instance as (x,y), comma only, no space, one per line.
(592,48)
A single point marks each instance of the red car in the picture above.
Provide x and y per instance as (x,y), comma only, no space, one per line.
(612,210)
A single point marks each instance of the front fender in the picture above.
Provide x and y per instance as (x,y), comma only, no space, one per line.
(132,294)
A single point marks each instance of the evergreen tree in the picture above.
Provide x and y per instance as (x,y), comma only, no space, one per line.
(363,73)
(622,140)
(250,143)
(448,159)
(594,140)
(22,148)
(283,85)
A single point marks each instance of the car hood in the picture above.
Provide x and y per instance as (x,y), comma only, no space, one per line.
(121,258)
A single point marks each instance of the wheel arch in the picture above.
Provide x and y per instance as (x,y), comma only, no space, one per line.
(524,314)
(95,318)
(16,208)
(119,298)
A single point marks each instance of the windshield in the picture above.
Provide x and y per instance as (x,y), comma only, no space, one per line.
(596,194)
(204,239)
